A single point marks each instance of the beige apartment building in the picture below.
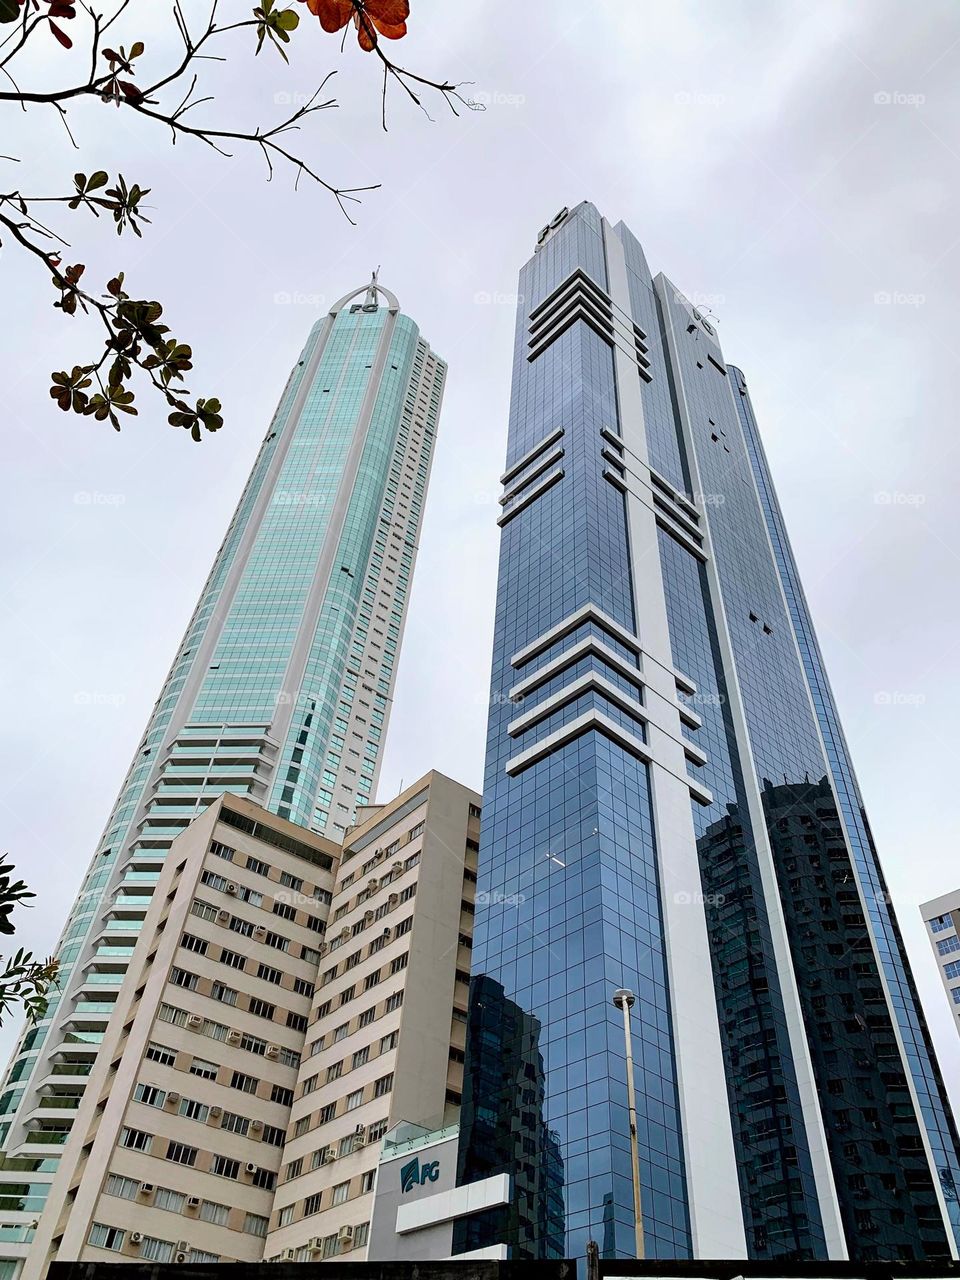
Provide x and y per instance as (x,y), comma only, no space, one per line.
(288,1001)
(942,918)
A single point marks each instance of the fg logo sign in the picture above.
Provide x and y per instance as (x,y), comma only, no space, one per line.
(416,1174)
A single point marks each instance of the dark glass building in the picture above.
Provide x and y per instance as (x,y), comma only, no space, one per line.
(669,806)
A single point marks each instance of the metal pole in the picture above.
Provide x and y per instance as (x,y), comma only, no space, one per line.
(624,1001)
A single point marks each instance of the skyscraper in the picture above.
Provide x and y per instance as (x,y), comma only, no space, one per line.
(670,807)
(281,687)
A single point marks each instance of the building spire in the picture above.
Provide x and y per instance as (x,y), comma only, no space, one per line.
(373,290)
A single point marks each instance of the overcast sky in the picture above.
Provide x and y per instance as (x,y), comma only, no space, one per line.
(794,166)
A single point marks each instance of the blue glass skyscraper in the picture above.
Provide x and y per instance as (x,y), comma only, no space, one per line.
(280,690)
(670,807)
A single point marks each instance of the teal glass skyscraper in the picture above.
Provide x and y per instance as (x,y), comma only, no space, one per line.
(281,687)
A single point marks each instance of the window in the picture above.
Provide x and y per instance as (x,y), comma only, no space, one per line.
(232,958)
(269,974)
(210,1211)
(383,1085)
(361,1234)
(286,1215)
(366,1018)
(202,1255)
(275,1136)
(298,1021)
(355,1100)
(302,987)
(243,927)
(193,1110)
(416,831)
(341,1192)
(403,926)
(265,1179)
(222,850)
(234,1123)
(160,1053)
(389,1042)
(291,882)
(939,924)
(262,1008)
(124,1188)
(173,1201)
(282,1095)
(341,1033)
(261,868)
(334,1071)
(226,995)
(312,1204)
(361,1056)
(347,995)
(371,980)
(952,969)
(205,1070)
(947,945)
(135,1139)
(182,978)
(246,1084)
(253,1044)
(180,1153)
(254,1224)
(284,911)
(203,910)
(224,1167)
(955,994)
(149,1095)
(367,1180)
(190,942)
(327,1113)
(170,1013)
(294,1169)
(104,1237)
(393,1002)
(277,941)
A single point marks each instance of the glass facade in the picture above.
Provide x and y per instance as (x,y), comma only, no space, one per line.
(281,686)
(658,703)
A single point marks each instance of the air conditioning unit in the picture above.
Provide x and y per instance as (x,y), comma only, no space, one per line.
(136,1237)
(234,1037)
(273,1051)
(314,1244)
(256,1125)
(359,1142)
(396,867)
(173,1097)
(230,887)
(260,931)
(195,1020)
(388,932)
(322,949)
(288,1255)
(329,1157)
(373,886)
(344,933)
(193,1202)
(180,1257)
(394,899)
(216,1110)
(147,1188)
(345,1237)
(183,1246)
(360,1129)
(223,914)
(367,917)
(250,1168)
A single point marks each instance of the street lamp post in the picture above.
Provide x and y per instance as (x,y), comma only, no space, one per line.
(624,1001)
